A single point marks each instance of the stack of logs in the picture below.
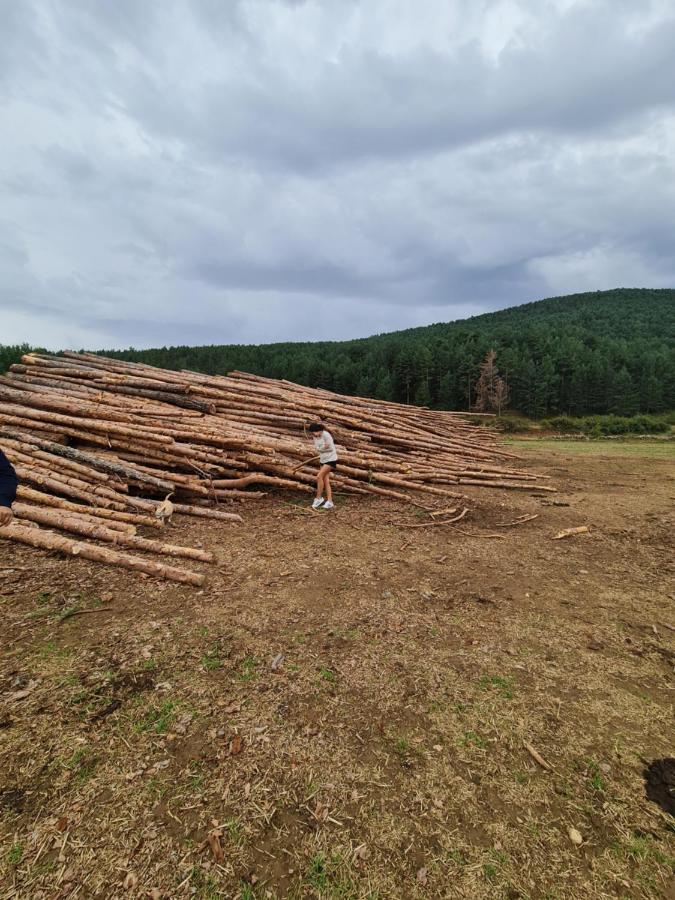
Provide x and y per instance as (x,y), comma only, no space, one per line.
(99,443)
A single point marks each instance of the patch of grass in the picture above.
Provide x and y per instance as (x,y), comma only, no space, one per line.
(651,449)
(401,746)
(52,651)
(472,739)
(157,718)
(15,854)
(157,788)
(593,775)
(196,778)
(642,848)
(329,876)
(204,886)
(457,858)
(317,873)
(211,660)
(235,831)
(327,675)
(535,829)
(504,685)
(150,665)
(82,764)
(489,871)
(247,670)
(81,697)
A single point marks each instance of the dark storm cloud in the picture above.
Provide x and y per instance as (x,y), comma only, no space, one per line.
(193,172)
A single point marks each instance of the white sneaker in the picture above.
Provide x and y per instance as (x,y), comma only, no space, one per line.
(329,505)
(317,503)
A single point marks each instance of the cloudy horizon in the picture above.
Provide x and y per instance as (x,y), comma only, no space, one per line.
(198,172)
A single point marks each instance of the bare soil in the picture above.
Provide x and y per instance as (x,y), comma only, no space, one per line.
(149,748)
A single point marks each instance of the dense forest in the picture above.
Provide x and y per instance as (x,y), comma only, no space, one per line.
(602,352)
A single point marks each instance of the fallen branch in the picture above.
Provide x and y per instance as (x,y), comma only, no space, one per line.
(537,757)
(519,521)
(69,613)
(443,512)
(569,532)
(432,524)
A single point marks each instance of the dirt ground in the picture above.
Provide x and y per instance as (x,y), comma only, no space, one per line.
(150,748)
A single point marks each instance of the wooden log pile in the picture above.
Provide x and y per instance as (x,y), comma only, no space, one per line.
(98,444)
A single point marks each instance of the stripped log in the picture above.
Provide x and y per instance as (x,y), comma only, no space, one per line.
(47,540)
(52,516)
(81,525)
(32,496)
(99,463)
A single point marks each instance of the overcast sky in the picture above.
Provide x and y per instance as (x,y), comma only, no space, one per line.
(216,171)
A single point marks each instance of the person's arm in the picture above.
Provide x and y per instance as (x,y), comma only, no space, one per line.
(8,485)
(320,444)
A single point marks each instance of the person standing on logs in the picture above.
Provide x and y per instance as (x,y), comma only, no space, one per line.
(325,445)
(8,486)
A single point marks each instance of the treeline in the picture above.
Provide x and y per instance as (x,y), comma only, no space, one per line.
(602,352)
(610,426)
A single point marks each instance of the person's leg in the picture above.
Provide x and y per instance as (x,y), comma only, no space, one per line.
(327,485)
(319,483)
(321,479)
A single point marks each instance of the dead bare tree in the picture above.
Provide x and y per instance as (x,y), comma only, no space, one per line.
(491,390)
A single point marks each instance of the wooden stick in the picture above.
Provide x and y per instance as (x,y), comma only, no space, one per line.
(433,524)
(537,757)
(519,521)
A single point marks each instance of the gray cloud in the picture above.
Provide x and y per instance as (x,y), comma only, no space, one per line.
(199,171)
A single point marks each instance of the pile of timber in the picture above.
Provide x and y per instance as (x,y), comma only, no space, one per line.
(98,444)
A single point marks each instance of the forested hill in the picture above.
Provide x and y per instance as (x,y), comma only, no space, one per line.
(608,351)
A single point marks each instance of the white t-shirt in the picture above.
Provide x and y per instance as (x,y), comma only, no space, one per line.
(325,446)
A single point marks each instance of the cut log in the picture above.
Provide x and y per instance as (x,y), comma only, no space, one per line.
(32,496)
(76,524)
(93,461)
(47,540)
(50,516)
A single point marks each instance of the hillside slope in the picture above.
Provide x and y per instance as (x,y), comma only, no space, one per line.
(607,351)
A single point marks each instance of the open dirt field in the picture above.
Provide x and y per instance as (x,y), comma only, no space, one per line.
(149,748)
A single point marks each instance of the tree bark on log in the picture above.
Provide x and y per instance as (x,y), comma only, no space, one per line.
(47,540)
(95,462)
(33,514)
(32,496)
(64,521)
(57,486)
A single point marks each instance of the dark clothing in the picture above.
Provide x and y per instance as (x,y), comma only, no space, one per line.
(333,464)
(8,481)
